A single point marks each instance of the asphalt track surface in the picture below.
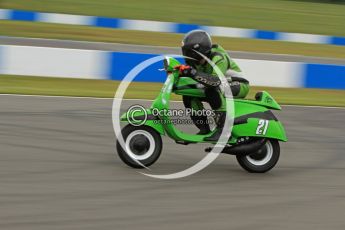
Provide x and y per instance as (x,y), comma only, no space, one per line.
(68,44)
(59,170)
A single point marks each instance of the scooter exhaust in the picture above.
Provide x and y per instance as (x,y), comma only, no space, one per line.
(243,148)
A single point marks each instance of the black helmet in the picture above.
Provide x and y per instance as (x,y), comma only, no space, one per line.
(198,40)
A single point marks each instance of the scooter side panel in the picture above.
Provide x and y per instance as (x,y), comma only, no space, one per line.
(254,120)
(260,128)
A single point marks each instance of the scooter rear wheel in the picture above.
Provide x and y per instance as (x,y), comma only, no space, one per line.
(142,146)
(263,160)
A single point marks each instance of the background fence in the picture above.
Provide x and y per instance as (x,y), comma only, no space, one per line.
(94,64)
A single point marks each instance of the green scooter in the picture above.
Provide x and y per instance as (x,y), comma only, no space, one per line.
(254,138)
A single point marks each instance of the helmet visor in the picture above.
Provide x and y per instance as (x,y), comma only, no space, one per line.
(189,52)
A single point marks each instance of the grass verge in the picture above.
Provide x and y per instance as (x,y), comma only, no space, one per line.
(277,15)
(143,90)
(84,33)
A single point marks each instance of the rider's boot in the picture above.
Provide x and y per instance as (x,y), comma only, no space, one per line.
(202,123)
(204,131)
(220,125)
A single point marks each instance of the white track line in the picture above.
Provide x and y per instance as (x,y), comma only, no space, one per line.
(132,99)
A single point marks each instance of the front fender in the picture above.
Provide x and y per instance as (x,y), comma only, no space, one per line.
(143,118)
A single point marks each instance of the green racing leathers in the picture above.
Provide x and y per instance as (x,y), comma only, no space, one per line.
(214,96)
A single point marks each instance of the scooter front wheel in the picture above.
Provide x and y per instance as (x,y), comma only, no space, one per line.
(142,146)
(262,160)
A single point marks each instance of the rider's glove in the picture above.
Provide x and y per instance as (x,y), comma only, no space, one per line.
(186,70)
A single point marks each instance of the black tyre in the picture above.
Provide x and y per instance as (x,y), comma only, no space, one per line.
(263,160)
(143,146)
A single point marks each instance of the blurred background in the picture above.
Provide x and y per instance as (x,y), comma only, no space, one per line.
(58,163)
(314,33)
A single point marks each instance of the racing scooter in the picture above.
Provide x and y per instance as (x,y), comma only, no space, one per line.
(254,138)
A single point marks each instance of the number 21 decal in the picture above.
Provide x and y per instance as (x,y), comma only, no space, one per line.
(262,127)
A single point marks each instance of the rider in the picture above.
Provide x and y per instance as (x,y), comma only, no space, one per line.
(194,44)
